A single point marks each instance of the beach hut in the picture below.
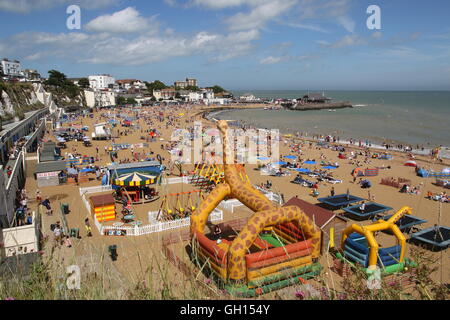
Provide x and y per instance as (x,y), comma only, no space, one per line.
(50,173)
(103,207)
(331,224)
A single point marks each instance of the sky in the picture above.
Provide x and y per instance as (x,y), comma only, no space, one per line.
(238,44)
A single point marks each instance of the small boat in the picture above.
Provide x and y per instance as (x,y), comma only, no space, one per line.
(332,110)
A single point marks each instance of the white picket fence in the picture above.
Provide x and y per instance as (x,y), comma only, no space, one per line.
(154,226)
(232,203)
(96,189)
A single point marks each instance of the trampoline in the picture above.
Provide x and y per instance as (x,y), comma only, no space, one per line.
(407,222)
(437,237)
(279,163)
(340,200)
(302,170)
(372,209)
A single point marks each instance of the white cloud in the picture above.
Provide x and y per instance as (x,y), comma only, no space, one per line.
(271,60)
(26,6)
(260,15)
(125,21)
(286,58)
(221,4)
(148,47)
(346,41)
(347,23)
(294,13)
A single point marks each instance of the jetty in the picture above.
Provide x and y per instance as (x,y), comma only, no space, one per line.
(318,106)
(315,101)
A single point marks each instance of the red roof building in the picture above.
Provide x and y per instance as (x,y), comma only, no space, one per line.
(326,220)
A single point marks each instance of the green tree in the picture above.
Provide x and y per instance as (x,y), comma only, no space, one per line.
(84,83)
(121,100)
(56,78)
(155,85)
(131,101)
(192,88)
(218,89)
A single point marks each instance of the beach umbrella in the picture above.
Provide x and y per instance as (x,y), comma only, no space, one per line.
(410,163)
(302,170)
(330,167)
(87,170)
(134,179)
(290,157)
(281,163)
(262,158)
(309,162)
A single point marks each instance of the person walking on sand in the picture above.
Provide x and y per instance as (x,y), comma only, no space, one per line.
(57,233)
(332,191)
(38,196)
(88,227)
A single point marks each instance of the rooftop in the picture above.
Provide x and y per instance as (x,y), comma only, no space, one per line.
(320,216)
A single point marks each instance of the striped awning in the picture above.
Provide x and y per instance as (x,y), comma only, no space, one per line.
(135,179)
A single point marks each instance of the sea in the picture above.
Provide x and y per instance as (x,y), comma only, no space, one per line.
(400,117)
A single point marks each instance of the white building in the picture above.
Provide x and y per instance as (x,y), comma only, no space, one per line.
(102,81)
(10,68)
(100,98)
(248,97)
(207,94)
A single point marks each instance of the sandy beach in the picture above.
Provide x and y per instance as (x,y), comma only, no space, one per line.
(141,258)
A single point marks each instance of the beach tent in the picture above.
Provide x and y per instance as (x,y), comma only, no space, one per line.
(422,173)
(410,163)
(135,179)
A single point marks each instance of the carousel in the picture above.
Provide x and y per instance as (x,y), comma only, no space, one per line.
(136,187)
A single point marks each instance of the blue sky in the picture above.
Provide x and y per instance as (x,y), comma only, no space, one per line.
(239,44)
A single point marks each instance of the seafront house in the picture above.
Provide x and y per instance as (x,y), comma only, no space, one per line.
(11,68)
(100,98)
(180,84)
(32,75)
(102,81)
(191,82)
(131,85)
(165,94)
